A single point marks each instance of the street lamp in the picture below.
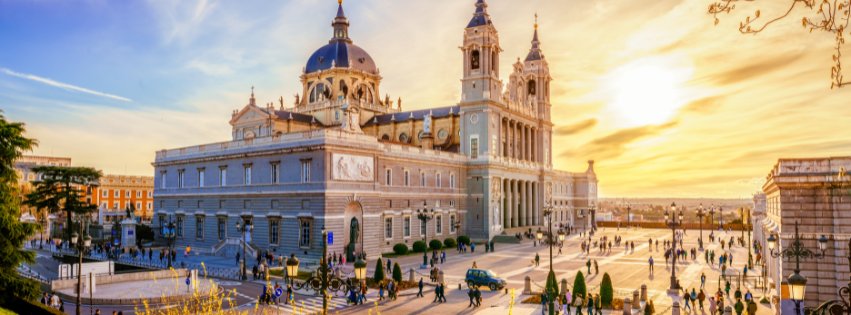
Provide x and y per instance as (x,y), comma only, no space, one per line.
(797,282)
(425,216)
(593,210)
(168,234)
(674,224)
(628,218)
(80,247)
(324,282)
(551,277)
(712,217)
(245,229)
(700,215)
(749,226)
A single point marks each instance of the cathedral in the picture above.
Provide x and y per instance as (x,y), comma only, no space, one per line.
(345,160)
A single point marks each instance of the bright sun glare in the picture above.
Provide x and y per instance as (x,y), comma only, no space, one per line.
(647,91)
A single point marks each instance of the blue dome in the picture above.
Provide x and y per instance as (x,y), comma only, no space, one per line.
(340,52)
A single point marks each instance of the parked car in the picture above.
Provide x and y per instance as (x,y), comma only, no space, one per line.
(478,277)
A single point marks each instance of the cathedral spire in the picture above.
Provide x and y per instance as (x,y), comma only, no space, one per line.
(480,17)
(535,52)
(341,25)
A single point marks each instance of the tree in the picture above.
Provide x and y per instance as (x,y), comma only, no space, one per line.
(419,246)
(607,292)
(397,273)
(435,244)
(13,233)
(58,191)
(579,285)
(833,18)
(143,232)
(379,271)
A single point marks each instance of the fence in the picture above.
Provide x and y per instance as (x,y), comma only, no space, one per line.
(688,225)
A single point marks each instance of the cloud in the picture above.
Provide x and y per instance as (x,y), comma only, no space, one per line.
(765,65)
(614,145)
(577,127)
(61,85)
(704,105)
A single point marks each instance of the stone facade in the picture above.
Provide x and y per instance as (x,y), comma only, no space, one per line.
(361,168)
(116,193)
(811,193)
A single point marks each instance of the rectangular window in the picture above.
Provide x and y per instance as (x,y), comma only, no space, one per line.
(222,225)
(201,178)
(180,179)
(451,203)
(199,227)
(437,224)
(422,179)
(104,205)
(452,223)
(117,193)
(422,227)
(127,194)
(273,232)
(275,173)
(104,193)
(437,180)
(223,177)
(180,226)
(407,222)
(304,239)
(474,146)
(407,178)
(115,205)
(162,223)
(437,203)
(138,194)
(452,181)
(388,228)
(248,175)
(387,175)
(305,171)
(150,194)
(162,180)
(149,206)
(138,205)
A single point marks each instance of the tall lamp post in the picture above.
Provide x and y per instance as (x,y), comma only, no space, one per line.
(246,228)
(81,248)
(628,218)
(797,282)
(168,234)
(593,211)
(712,217)
(43,221)
(425,215)
(551,277)
(749,226)
(742,215)
(700,215)
(325,282)
(674,225)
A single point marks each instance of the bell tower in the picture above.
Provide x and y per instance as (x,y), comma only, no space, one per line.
(481,58)
(537,74)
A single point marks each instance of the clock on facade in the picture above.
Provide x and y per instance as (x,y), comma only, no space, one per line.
(442,134)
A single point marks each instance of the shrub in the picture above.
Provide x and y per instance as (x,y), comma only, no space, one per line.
(464,239)
(379,271)
(397,273)
(450,242)
(607,292)
(579,286)
(435,245)
(400,249)
(419,246)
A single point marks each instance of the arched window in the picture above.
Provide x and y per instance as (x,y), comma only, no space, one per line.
(385,137)
(531,87)
(344,89)
(474,60)
(403,138)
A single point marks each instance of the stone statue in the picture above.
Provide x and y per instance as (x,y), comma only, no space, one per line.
(427,124)
(282,102)
(130,211)
(354,231)
(400,103)
(296,99)
(386,99)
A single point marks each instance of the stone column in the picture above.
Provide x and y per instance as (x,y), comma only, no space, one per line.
(512,199)
(626,309)
(440,277)
(527,285)
(529,206)
(506,215)
(516,139)
(521,187)
(635,303)
(528,143)
(411,275)
(643,293)
(728,310)
(535,206)
(563,286)
(675,310)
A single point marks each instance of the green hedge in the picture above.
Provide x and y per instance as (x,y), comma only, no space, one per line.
(464,239)
(419,246)
(400,249)
(397,273)
(26,307)
(379,271)
(607,292)
(450,242)
(579,286)
(435,245)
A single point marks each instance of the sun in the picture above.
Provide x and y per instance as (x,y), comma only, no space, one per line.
(647,91)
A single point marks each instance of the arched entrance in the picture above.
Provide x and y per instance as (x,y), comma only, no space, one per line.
(353,230)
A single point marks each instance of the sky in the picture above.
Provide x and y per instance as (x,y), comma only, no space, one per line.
(664,101)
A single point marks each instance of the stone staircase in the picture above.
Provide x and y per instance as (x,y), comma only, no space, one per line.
(229,247)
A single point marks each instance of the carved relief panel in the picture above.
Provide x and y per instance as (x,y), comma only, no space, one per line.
(352,168)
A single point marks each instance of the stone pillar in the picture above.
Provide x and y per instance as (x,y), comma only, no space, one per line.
(337,272)
(675,310)
(516,140)
(514,197)
(128,233)
(509,209)
(626,309)
(529,198)
(411,275)
(521,207)
(563,286)
(440,277)
(728,310)
(506,214)
(528,143)
(527,285)
(643,293)
(635,303)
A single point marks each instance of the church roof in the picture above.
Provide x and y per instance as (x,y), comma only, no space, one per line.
(480,17)
(282,114)
(535,53)
(340,52)
(439,112)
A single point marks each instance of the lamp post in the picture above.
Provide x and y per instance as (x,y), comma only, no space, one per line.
(41,242)
(593,211)
(551,277)
(712,217)
(628,218)
(742,215)
(246,228)
(80,247)
(797,282)
(325,282)
(674,224)
(750,255)
(168,234)
(700,215)
(425,215)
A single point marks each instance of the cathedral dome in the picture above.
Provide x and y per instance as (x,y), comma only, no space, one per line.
(340,52)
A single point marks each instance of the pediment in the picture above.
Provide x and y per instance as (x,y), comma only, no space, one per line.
(249,114)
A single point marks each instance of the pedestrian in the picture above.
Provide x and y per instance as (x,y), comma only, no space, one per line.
(727,288)
(538,260)
(748,296)
(650,261)
(442,292)
(598,304)
(596,268)
(45,299)
(700,297)
(588,264)
(745,271)
(543,303)
(472,247)
(566,301)
(363,293)
(752,308)
(723,270)
(559,249)
(442,256)
(472,296)
(687,298)
(436,294)
(478,297)
(381,291)
(420,285)
(739,307)
(254,270)
(702,280)
(590,305)
(712,306)
(237,259)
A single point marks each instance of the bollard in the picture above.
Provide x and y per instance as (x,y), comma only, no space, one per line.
(563,286)
(459,286)
(411,275)
(728,310)
(626,310)
(506,290)
(635,302)
(338,273)
(440,277)
(675,310)
(643,293)
(527,286)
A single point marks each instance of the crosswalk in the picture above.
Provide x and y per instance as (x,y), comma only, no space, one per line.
(312,305)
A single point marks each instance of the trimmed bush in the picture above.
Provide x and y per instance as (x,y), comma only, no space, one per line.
(397,273)
(450,242)
(419,246)
(464,239)
(435,245)
(400,249)
(579,286)
(379,271)
(24,306)
(607,292)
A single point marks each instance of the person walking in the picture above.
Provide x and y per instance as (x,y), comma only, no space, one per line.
(565,305)
(702,280)
(596,268)
(543,303)
(748,296)
(381,291)
(537,260)
(598,304)
(739,307)
(237,259)
(712,306)
(700,297)
(478,297)
(686,299)
(442,292)
(363,292)
(420,285)
(588,264)
(651,264)
(590,305)
(254,271)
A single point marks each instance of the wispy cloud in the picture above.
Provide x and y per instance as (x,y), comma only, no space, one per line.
(61,85)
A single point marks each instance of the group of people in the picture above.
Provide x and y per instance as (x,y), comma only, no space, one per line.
(53,301)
